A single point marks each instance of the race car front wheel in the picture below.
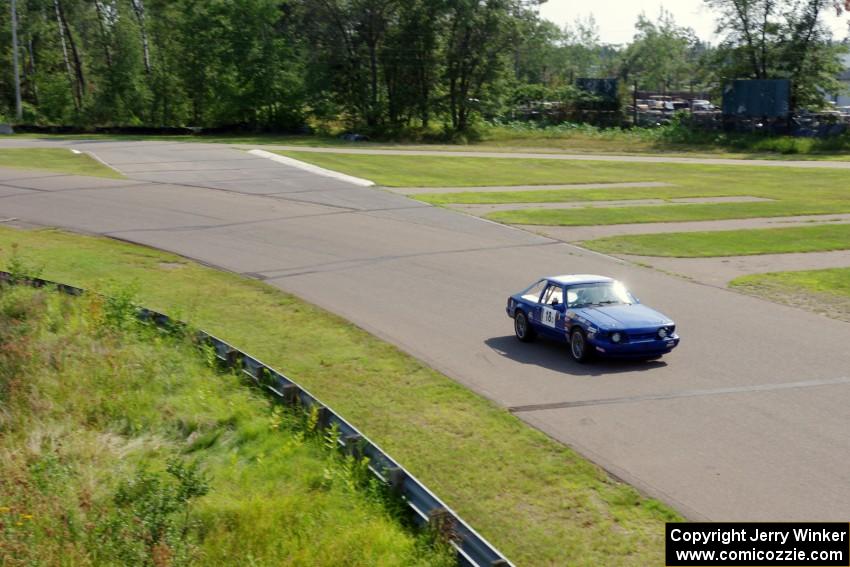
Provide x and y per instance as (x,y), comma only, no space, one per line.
(578,346)
(522,329)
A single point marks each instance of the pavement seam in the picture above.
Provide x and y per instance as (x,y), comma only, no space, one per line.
(235,192)
(185,228)
(189,161)
(235,168)
(51,176)
(678,395)
(74,190)
(357,263)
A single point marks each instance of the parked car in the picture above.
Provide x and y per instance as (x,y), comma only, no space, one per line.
(594,315)
(354,137)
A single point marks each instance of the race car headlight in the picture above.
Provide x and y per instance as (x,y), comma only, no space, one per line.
(616,337)
(662,332)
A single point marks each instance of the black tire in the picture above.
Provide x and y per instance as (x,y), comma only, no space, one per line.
(522,328)
(580,350)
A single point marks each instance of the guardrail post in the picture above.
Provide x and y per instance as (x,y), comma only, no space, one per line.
(395,478)
(352,445)
(290,394)
(324,418)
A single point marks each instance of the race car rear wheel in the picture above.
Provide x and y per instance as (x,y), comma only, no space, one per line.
(522,328)
(579,348)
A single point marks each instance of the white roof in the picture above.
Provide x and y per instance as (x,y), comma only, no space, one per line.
(580,278)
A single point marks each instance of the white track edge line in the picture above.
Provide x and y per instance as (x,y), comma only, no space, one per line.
(313,168)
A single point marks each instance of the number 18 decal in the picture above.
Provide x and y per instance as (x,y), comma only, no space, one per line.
(549,317)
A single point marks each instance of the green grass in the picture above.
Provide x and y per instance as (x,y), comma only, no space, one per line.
(835,280)
(55,160)
(821,238)
(535,499)
(438,171)
(822,291)
(794,191)
(120,446)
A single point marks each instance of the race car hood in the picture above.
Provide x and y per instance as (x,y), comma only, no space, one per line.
(623,316)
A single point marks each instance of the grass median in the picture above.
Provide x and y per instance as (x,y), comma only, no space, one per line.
(535,499)
(56,161)
(822,291)
(819,238)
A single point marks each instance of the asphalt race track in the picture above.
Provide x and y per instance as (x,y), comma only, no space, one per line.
(746,420)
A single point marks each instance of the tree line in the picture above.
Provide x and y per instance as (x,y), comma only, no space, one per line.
(380,65)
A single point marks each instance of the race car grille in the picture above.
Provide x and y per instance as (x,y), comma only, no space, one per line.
(642,336)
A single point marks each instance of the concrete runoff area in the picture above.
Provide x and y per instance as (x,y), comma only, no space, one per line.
(746,420)
(579,233)
(482,210)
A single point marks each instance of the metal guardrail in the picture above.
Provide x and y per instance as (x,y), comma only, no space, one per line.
(472,549)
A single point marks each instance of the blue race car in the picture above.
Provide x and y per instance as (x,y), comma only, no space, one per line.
(594,314)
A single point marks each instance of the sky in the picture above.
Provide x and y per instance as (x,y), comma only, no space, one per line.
(616,18)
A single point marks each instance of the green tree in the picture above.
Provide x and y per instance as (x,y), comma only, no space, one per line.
(776,39)
(538,56)
(663,56)
(477,54)
(582,52)
(410,61)
(347,38)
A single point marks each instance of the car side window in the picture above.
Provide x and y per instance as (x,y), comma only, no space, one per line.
(553,295)
(533,293)
(583,295)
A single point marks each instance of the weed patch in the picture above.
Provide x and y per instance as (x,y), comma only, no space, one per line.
(120,445)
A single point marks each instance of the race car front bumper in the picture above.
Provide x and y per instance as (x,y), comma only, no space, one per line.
(635,349)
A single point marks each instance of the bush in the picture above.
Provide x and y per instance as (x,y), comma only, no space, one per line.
(150,523)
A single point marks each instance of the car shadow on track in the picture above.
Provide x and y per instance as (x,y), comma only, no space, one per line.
(555,356)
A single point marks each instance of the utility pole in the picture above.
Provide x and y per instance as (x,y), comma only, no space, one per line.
(18,108)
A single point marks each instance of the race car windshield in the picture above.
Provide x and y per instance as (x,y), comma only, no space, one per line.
(613,293)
